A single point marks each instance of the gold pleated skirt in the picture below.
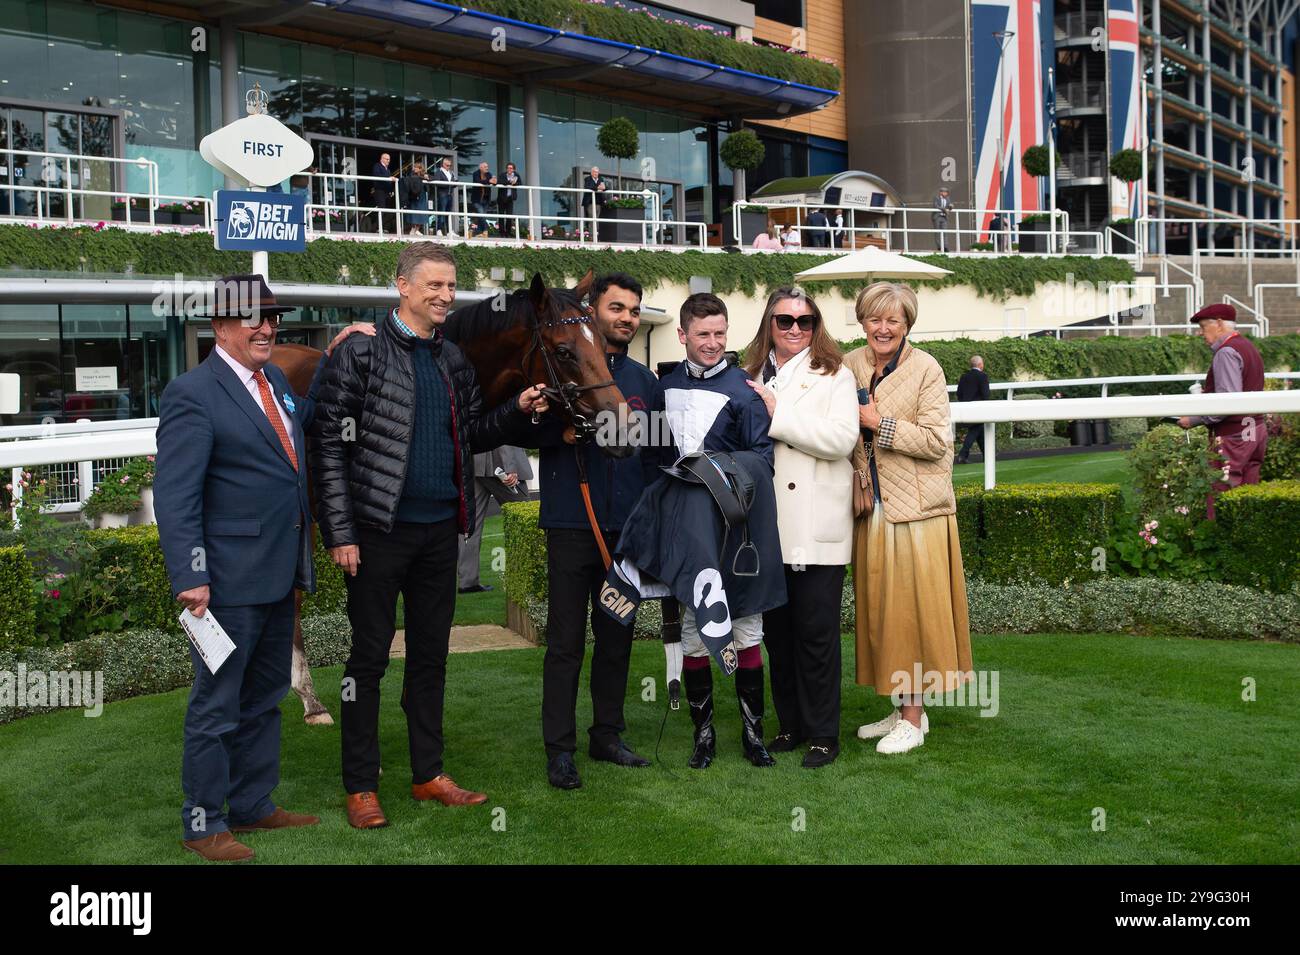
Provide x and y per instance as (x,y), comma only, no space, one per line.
(910,592)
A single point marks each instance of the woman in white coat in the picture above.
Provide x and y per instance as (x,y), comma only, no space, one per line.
(796,367)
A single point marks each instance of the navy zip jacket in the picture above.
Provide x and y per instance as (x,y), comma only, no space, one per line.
(615,483)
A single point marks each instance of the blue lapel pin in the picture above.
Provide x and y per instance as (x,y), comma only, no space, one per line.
(288,402)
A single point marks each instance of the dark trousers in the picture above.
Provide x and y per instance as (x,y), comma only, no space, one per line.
(481,207)
(803,652)
(506,207)
(444,201)
(419,562)
(232,724)
(575,571)
(974,435)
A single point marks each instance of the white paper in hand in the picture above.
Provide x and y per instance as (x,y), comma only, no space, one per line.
(208,637)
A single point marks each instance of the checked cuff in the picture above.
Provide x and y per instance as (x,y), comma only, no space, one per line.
(885,433)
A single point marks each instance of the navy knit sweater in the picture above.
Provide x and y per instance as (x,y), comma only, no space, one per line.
(430,493)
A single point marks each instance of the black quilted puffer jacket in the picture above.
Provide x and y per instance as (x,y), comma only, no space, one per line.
(361,433)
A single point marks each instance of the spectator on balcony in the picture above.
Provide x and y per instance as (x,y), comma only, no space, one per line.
(413,187)
(593,199)
(973,385)
(1240,440)
(507,192)
(768,241)
(790,239)
(444,195)
(381,194)
(819,230)
(480,198)
(837,236)
(942,206)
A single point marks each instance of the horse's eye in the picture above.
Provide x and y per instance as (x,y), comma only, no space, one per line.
(564,354)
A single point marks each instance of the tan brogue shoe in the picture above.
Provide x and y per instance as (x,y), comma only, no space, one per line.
(444,789)
(222,847)
(364,811)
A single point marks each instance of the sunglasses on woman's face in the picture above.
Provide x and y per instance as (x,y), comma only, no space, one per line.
(784,322)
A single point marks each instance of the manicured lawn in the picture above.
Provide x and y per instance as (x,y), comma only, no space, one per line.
(1153,731)
(1104,467)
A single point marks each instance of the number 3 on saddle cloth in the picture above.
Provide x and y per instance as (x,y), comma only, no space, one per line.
(709,538)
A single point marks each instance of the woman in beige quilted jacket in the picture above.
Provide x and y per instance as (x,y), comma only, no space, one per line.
(913,632)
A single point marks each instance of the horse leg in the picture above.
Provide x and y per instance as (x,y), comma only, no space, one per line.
(314,712)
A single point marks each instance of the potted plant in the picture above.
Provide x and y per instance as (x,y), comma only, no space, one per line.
(1033,232)
(753,220)
(141,472)
(118,496)
(1126,227)
(628,213)
(128,210)
(1126,166)
(618,139)
(179,213)
(741,152)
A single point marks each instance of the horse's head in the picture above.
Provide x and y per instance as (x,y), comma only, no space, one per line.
(568,355)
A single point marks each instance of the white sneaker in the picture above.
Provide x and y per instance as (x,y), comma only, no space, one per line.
(903,737)
(882,727)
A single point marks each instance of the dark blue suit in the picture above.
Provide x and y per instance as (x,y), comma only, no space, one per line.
(233,513)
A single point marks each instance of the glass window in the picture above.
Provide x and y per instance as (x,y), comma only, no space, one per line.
(29,348)
(380,106)
(276,66)
(95,379)
(327,79)
(782,11)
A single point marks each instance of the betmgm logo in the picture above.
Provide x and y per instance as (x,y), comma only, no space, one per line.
(261,220)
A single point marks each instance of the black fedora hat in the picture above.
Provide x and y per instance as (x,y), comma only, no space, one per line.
(243,297)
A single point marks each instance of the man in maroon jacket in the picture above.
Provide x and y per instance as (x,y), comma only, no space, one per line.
(1237,366)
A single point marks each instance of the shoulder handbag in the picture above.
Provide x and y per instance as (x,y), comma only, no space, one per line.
(864,497)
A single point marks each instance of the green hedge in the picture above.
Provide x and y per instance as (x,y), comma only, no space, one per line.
(525,544)
(1012,359)
(86,250)
(1044,532)
(1260,527)
(17,600)
(1147,605)
(136,662)
(626,26)
(970,526)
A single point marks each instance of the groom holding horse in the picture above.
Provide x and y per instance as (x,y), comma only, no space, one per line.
(397,422)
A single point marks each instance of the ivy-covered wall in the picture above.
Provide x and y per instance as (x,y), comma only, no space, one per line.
(111,251)
(627,26)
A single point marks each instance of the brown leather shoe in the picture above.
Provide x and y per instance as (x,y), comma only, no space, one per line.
(223,847)
(364,811)
(444,789)
(280,819)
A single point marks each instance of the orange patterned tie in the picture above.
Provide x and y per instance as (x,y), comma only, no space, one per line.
(273,413)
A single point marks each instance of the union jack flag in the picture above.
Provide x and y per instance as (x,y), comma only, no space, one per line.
(1124,63)
(1008,94)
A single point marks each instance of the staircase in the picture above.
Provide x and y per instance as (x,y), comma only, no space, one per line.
(1229,276)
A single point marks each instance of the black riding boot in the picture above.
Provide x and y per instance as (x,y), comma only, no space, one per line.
(699,694)
(749,691)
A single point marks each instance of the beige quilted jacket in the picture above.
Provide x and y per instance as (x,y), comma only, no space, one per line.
(914,443)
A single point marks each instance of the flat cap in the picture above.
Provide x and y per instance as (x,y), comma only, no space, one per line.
(1220,312)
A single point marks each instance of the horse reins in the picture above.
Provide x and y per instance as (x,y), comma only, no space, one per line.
(567,394)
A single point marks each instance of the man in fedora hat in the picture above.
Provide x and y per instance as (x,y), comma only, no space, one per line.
(1237,366)
(231,501)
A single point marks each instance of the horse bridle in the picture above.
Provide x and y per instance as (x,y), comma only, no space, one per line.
(567,393)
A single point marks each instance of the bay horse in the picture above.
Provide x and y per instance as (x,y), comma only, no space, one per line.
(513,340)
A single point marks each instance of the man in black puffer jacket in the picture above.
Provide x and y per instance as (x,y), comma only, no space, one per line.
(397,423)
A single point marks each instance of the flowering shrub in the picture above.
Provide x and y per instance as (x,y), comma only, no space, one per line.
(119,492)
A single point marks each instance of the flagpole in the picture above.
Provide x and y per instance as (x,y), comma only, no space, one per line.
(1051,156)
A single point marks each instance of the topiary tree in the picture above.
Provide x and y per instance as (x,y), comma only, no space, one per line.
(619,139)
(1126,165)
(741,152)
(1036,161)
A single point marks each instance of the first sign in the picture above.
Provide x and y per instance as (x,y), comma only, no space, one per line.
(258,149)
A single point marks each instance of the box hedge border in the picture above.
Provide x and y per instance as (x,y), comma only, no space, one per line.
(1260,528)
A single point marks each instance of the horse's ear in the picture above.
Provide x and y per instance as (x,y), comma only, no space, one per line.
(537,292)
(584,286)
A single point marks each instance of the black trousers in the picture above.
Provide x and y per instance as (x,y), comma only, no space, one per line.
(974,435)
(803,652)
(575,571)
(506,207)
(419,562)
